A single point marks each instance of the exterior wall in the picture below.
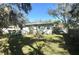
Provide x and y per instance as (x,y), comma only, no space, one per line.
(36,29)
(25,30)
(10,28)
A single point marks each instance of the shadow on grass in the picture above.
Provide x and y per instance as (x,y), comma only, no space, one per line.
(16,42)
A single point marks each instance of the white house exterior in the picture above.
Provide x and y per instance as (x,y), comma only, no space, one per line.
(10,28)
(25,30)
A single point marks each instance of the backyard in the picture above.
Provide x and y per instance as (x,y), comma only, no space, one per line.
(29,44)
(51,29)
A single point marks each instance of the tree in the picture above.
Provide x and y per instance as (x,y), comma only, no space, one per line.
(61,12)
(13,14)
(9,15)
(57,22)
(74,12)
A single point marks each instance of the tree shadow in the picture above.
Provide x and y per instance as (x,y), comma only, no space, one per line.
(29,41)
(72,44)
(16,42)
(37,51)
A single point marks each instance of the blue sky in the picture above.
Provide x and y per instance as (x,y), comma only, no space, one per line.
(40,11)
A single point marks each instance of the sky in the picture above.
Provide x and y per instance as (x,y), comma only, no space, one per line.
(40,11)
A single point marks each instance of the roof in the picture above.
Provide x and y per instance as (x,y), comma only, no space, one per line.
(39,23)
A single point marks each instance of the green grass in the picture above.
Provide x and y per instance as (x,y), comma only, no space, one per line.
(54,37)
(53,49)
(50,48)
(30,35)
(27,49)
(46,47)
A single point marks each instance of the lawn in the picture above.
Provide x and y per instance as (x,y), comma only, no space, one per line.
(29,44)
(53,45)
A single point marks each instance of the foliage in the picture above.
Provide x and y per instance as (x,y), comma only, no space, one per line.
(74,21)
(61,12)
(57,22)
(67,13)
(4,46)
(12,14)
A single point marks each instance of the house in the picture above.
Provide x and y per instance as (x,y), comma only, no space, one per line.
(10,29)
